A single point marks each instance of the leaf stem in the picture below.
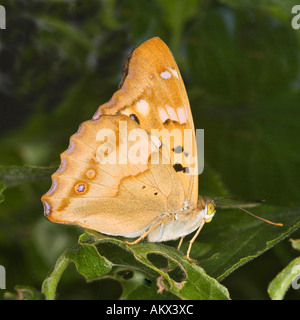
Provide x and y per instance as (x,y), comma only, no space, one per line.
(50,283)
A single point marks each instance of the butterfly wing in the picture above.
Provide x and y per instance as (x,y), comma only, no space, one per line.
(107,183)
(153,93)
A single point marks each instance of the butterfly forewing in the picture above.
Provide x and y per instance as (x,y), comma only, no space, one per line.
(153,92)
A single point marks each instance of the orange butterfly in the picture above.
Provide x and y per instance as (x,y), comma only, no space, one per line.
(128,171)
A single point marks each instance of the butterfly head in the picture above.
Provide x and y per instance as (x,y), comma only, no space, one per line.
(210,210)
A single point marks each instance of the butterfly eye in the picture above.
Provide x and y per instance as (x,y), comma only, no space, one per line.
(210,211)
(135,118)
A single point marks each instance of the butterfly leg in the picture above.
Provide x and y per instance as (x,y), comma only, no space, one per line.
(193,239)
(180,242)
(144,235)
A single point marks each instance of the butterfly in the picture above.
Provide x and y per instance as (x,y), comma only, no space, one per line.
(132,169)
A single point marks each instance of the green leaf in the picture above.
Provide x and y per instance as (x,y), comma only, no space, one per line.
(280,284)
(196,284)
(289,275)
(137,285)
(50,283)
(24,293)
(295,243)
(234,238)
(88,262)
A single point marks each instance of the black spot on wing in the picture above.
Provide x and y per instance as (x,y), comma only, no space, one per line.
(178,167)
(178,149)
(135,118)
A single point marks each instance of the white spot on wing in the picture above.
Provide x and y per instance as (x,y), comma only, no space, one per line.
(175,73)
(181,114)
(172,113)
(165,75)
(163,115)
(143,107)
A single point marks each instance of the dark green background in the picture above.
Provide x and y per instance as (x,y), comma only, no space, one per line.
(59,60)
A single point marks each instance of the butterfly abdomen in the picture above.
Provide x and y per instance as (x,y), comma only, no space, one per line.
(180,225)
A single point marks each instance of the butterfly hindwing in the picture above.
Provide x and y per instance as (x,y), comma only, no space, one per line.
(92,189)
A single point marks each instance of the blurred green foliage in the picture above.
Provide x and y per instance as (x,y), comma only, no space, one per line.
(60,60)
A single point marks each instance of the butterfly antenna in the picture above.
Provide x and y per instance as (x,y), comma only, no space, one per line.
(239,199)
(252,214)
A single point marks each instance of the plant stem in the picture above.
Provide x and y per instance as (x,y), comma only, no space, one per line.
(50,283)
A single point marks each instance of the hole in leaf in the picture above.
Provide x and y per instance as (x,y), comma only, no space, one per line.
(126,274)
(158,260)
(116,254)
(177,274)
